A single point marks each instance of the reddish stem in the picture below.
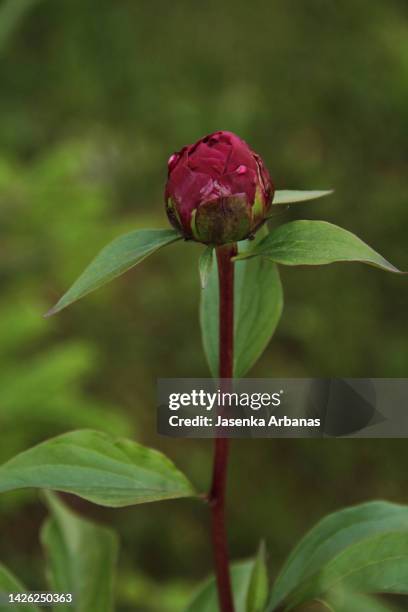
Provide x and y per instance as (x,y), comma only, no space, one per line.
(226,285)
(219,480)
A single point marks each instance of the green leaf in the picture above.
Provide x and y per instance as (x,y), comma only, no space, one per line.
(312,243)
(205,265)
(117,257)
(347,601)
(209,313)
(10,584)
(81,558)
(258,585)
(206,598)
(289,196)
(362,549)
(108,471)
(257,309)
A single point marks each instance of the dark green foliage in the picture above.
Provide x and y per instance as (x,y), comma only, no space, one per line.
(94,97)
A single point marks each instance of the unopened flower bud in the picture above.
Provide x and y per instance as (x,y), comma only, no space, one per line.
(218,190)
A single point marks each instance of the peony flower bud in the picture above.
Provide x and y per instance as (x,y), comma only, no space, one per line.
(218,190)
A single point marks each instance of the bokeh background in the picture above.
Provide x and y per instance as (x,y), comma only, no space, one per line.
(95,95)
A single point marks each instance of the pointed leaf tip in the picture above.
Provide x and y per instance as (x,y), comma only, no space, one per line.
(116,258)
(105,470)
(258,587)
(314,243)
(50,312)
(290,196)
(205,599)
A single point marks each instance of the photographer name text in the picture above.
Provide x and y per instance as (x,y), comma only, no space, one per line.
(252,421)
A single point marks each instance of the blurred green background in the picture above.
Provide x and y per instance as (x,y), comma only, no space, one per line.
(95,96)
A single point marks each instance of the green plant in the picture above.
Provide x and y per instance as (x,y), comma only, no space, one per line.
(359,550)
(43,381)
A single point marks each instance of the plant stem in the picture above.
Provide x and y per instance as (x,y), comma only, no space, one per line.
(219,480)
(226,317)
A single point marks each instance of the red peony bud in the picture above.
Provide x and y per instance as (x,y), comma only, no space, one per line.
(218,190)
